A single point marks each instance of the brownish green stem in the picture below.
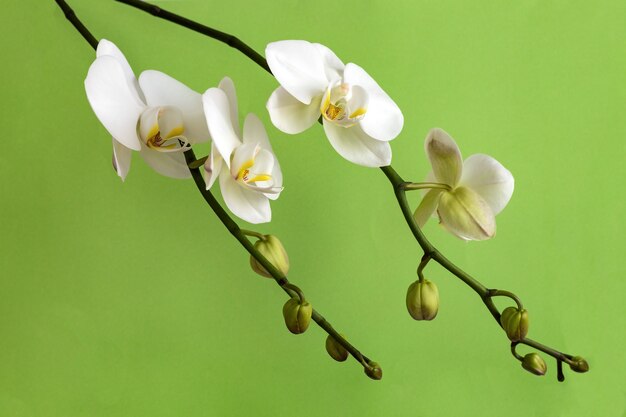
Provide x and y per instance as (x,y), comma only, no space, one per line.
(226,220)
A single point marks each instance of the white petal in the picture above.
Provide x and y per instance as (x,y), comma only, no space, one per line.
(383,120)
(355,146)
(492,181)
(106,47)
(217,113)
(427,206)
(170,164)
(263,164)
(212,167)
(121,159)
(249,205)
(114,100)
(290,115)
(299,67)
(228,87)
(333,66)
(465,214)
(254,132)
(444,156)
(162,90)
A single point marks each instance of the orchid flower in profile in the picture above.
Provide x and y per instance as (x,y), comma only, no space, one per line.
(359,117)
(155,115)
(467,195)
(248,171)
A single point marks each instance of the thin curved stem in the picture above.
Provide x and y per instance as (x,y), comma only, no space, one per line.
(399,185)
(228,222)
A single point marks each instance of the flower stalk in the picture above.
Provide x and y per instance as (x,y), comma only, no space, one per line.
(239,234)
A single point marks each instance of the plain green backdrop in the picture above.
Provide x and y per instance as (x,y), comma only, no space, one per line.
(131,299)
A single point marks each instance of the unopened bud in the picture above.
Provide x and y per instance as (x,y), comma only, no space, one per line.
(274,251)
(297,315)
(422,300)
(374,371)
(534,364)
(515,323)
(335,350)
(579,364)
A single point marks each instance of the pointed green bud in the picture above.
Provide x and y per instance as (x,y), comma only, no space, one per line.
(515,323)
(297,315)
(534,364)
(335,350)
(274,251)
(422,300)
(374,371)
(579,364)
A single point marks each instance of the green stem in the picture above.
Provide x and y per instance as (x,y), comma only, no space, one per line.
(252,233)
(226,220)
(409,186)
(278,276)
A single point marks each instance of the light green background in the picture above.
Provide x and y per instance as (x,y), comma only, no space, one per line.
(131,299)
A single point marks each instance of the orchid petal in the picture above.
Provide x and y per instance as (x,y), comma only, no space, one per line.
(299,67)
(228,87)
(217,113)
(254,132)
(170,164)
(427,206)
(162,90)
(383,119)
(492,181)
(114,100)
(444,156)
(290,115)
(356,146)
(106,47)
(212,167)
(333,65)
(466,215)
(121,159)
(249,205)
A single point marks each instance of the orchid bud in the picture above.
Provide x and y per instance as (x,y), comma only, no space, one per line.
(273,250)
(534,364)
(515,323)
(335,350)
(374,371)
(579,364)
(422,300)
(297,315)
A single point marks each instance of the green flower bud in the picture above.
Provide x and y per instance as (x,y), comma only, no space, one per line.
(274,251)
(422,300)
(335,350)
(515,323)
(374,371)
(297,315)
(579,364)
(534,364)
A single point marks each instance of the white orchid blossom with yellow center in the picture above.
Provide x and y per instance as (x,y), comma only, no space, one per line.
(466,195)
(248,171)
(155,115)
(359,117)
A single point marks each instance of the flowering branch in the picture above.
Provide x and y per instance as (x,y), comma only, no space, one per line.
(513,320)
(371,368)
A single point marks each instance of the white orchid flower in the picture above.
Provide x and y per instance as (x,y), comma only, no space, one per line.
(466,195)
(152,115)
(248,171)
(359,117)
